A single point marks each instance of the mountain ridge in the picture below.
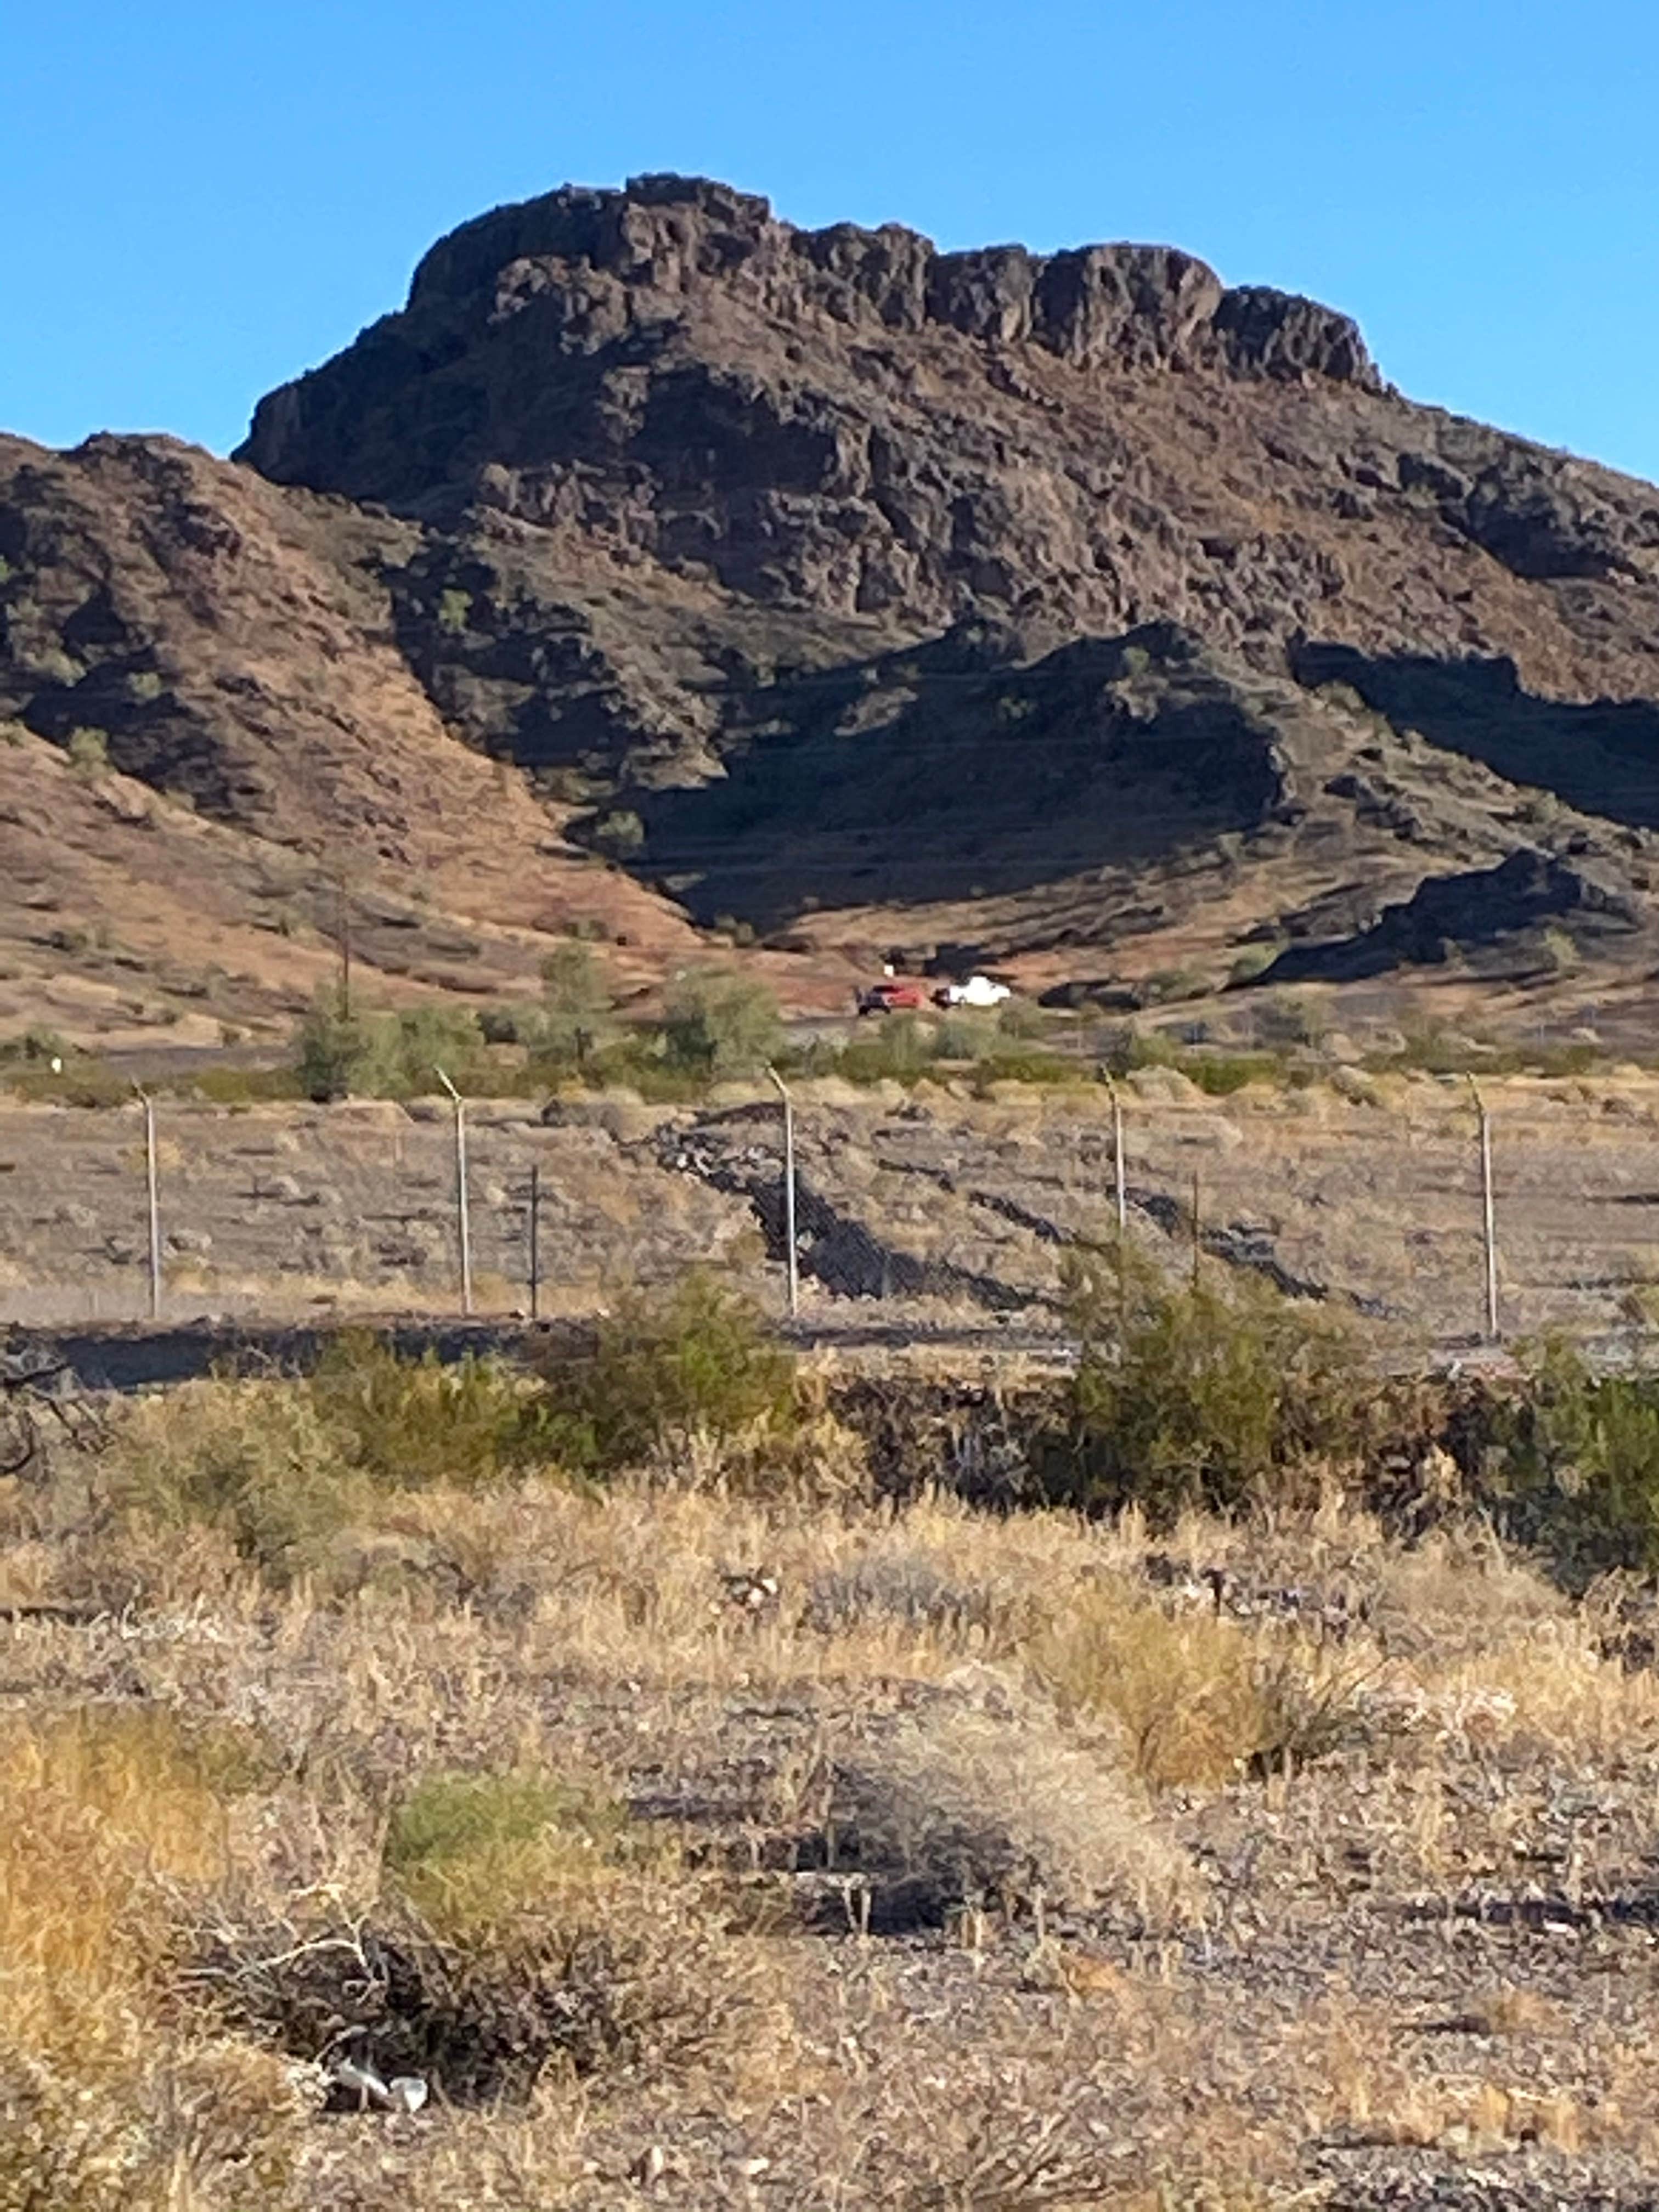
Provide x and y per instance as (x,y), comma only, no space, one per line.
(661,565)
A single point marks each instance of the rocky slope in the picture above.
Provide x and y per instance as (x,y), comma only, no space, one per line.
(1075,609)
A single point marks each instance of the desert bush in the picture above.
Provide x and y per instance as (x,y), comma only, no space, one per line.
(406,1049)
(1198,1699)
(287,1469)
(408,1424)
(84,1078)
(1219,1074)
(34,1046)
(719,1024)
(575,1018)
(965,1805)
(257,1460)
(1218,1394)
(481,1853)
(899,1047)
(242,1086)
(331,1047)
(668,1375)
(1252,963)
(1572,1465)
(89,751)
(454,606)
(1007,1066)
(114,1816)
(384,1055)
(620,832)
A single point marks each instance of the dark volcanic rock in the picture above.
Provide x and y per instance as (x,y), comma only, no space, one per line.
(846,422)
(1447,916)
(871,595)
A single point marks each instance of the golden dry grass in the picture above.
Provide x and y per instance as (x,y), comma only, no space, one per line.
(835,1854)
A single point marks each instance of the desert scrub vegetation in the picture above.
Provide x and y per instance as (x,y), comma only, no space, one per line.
(1570,1464)
(285,1469)
(719,1022)
(1219,1392)
(338,1052)
(692,1375)
(668,1833)
(684,1385)
(1197,1695)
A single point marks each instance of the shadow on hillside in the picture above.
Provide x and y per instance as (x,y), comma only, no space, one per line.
(942,773)
(1602,758)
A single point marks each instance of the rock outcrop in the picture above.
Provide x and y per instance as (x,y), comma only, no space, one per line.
(658,554)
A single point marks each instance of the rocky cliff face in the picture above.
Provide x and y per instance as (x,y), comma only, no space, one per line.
(1076,607)
(845,422)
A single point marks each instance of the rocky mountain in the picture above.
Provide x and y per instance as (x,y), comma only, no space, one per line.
(664,566)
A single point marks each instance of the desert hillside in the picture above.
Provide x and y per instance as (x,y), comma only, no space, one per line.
(664,568)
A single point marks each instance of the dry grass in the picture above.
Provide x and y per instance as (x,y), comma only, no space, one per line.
(727,1842)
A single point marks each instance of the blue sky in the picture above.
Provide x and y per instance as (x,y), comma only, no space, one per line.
(200,200)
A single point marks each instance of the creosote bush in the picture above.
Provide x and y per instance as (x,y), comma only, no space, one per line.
(338,1055)
(575,1019)
(409,1423)
(669,1375)
(285,1469)
(1216,1393)
(720,1023)
(1572,1465)
(475,1853)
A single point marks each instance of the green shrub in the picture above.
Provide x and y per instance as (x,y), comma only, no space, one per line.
(473,1853)
(453,608)
(1005,1067)
(1220,1073)
(635,1061)
(720,1023)
(242,1086)
(256,1461)
(1254,960)
(385,1056)
(408,1424)
(89,752)
(34,1046)
(331,1047)
(620,833)
(575,1019)
(1573,1465)
(83,1079)
(696,1366)
(406,1050)
(899,1048)
(1213,1393)
(287,1469)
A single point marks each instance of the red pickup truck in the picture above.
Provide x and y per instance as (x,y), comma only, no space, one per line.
(896,995)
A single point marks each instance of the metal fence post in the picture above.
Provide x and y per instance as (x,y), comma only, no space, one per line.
(462,1225)
(1488,1216)
(1120,1191)
(152,1191)
(535,1243)
(791,1253)
(1198,1229)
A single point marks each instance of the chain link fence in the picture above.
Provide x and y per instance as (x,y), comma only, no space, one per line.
(927,1197)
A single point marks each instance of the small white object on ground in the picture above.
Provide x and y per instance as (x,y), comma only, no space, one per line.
(404,2092)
